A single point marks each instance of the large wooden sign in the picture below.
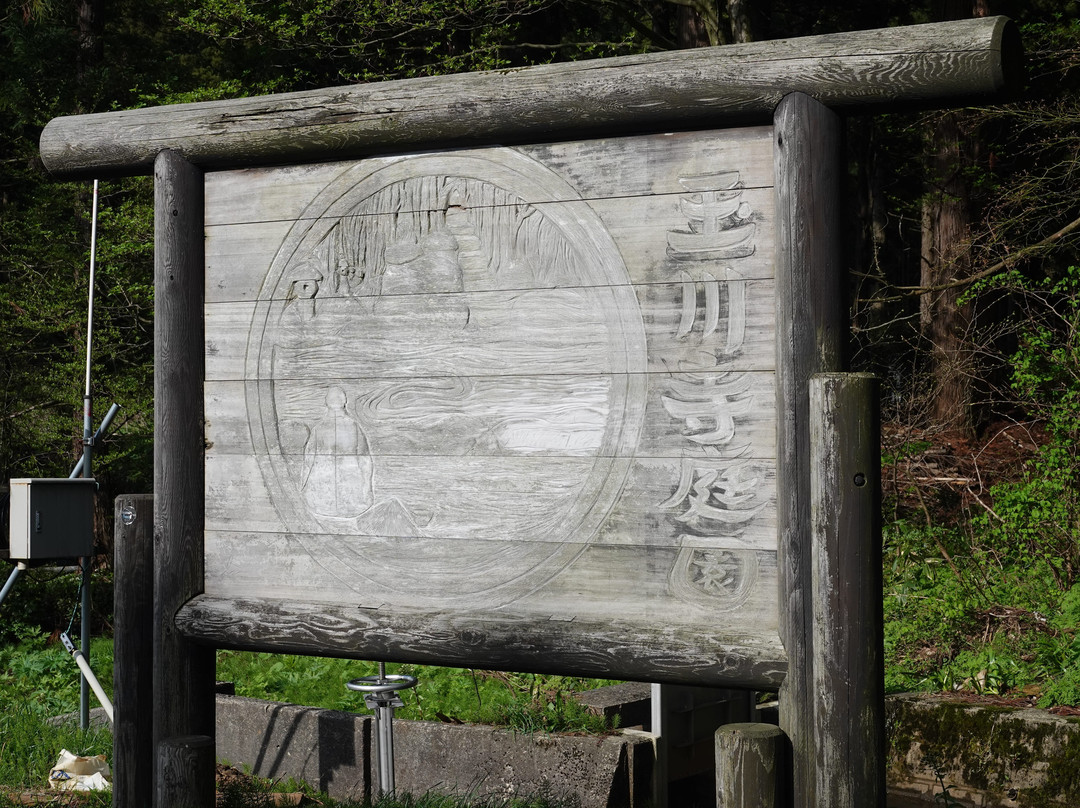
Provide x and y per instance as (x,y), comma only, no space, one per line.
(534,382)
(543,397)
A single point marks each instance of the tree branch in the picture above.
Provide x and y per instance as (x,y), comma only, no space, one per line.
(1003,264)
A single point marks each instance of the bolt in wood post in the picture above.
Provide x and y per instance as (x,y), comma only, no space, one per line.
(848,668)
(133,651)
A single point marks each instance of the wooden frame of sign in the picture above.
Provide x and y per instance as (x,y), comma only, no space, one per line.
(540,406)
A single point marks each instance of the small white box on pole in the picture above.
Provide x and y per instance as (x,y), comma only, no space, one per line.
(51,518)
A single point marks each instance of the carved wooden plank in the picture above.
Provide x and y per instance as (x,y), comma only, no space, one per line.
(473,200)
(702,501)
(542,416)
(849,673)
(183,675)
(678,89)
(810,336)
(504,641)
(568,582)
(690,326)
(597,169)
(238,254)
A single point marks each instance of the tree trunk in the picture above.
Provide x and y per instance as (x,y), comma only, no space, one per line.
(746,19)
(698,24)
(946,257)
(91,24)
(946,226)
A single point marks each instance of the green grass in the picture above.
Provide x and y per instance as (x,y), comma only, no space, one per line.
(38,679)
(526,702)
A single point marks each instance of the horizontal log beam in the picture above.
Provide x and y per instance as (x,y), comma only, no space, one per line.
(705,87)
(493,641)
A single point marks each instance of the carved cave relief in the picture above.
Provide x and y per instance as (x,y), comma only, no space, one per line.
(435,361)
(717,495)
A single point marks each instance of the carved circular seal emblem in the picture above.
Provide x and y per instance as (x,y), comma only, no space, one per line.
(447,364)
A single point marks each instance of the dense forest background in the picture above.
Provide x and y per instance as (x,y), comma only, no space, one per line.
(962,259)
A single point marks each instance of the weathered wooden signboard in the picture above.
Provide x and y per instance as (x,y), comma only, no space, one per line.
(531,384)
(517,370)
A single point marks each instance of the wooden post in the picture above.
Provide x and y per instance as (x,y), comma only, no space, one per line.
(133,651)
(185,772)
(811,330)
(752,766)
(685,89)
(183,671)
(848,668)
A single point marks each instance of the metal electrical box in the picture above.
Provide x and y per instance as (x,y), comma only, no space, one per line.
(51,518)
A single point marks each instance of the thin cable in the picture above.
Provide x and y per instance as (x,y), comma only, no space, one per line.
(75,610)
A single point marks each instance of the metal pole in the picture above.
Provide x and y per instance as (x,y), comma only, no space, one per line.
(380,695)
(88,448)
(106,422)
(19,567)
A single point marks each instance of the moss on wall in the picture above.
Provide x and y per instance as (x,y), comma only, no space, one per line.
(1014,756)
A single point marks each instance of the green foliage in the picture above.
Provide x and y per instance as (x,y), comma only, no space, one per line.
(995,605)
(528,702)
(39,680)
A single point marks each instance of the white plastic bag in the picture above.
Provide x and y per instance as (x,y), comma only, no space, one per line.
(76,773)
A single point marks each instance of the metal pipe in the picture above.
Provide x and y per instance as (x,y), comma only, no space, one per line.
(88,675)
(19,567)
(106,422)
(87,459)
(84,641)
(380,695)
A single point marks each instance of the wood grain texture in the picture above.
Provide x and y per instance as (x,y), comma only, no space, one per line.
(504,641)
(810,334)
(133,651)
(183,675)
(538,378)
(185,771)
(848,669)
(751,766)
(262,216)
(400,430)
(678,89)
(679,585)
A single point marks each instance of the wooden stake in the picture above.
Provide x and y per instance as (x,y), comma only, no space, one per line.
(133,651)
(849,691)
(185,772)
(752,766)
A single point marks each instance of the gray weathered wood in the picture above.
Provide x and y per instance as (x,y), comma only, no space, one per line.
(752,767)
(848,669)
(185,771)
(810,333)
(503,641)
(278,218)
(133,651)
(183,674)
(228,429)
(497,342)
(679,89)
(500,379)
